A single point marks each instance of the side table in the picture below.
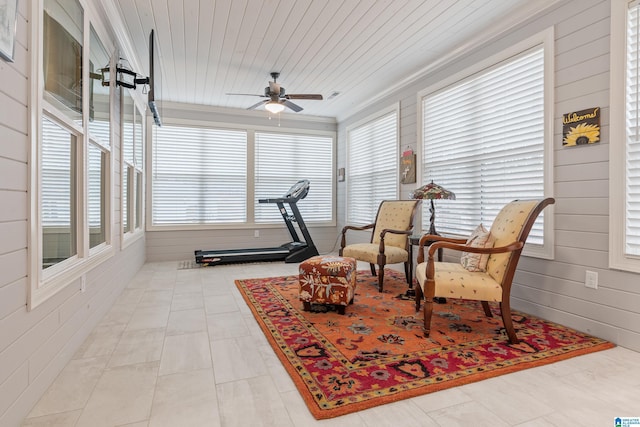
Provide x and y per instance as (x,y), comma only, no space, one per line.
(414,240)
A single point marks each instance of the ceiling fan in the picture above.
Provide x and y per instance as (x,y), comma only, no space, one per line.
(277,98)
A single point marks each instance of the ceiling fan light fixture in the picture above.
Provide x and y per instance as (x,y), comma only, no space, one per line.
(274,107)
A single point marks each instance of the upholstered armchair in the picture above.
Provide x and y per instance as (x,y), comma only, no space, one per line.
(488,263)
(389,239)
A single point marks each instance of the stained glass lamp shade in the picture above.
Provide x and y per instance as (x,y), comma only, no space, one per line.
(432,191)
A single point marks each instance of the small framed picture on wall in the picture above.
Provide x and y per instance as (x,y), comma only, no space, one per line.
(408,167)
(581,127)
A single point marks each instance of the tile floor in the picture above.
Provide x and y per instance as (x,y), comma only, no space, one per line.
(181,348)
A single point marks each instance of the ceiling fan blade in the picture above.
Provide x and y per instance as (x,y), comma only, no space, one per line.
(277,94)
(313,96)
(294,107)
(245,94)
(254,106)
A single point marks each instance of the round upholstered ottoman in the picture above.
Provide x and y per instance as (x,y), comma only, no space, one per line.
(327,279)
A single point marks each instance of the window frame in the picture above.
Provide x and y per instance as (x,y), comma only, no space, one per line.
(45,283)
(251,131)
(105,177)
(546,39)
(132,170)
(618,258)
(106,148)
(378,115)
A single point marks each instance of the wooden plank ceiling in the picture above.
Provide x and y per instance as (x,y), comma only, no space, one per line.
(360,49)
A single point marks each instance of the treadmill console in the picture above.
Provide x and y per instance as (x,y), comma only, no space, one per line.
(298,190)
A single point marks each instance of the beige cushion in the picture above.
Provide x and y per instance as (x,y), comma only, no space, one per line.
(480,238)
(454,281)
(368,252)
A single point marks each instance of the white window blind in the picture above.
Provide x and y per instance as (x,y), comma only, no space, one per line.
(96,161)
(138,199)
(100,132)
(483,139)
(96,194)
(199,176)
(126,195)
(632,188)
(283,159)
(372,169)
(127,141)
(58,182)
(138,140)
(128,127)
(97,171)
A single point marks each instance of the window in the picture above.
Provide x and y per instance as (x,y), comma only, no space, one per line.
(133,128)
(62,52)
(59,233)
(372,165)
(71,155)
(99,154)
(138,199)
(201,175)
(96,200)
(283,159)
(62,127)
(484,138)
(624,225)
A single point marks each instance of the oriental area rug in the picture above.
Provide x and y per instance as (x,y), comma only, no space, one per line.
(376,352)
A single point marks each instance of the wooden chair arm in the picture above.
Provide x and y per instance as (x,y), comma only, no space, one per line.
(343,242)
(464,248)
(431,239)
(430,270)
(437,238)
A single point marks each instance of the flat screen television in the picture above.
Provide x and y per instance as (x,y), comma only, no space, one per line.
(154,81)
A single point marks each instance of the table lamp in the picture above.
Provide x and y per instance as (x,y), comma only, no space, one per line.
(432,191)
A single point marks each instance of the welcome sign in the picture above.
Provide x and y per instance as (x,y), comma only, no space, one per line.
(581,127)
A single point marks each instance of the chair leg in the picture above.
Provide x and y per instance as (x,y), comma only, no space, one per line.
(407,272)
(505,310)
(373,269)
(418,297)
(428,312)
(380,277)
(487,309)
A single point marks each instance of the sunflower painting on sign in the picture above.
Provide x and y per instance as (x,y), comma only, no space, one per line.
(581,127)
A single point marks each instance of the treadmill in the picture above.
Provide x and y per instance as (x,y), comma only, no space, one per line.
(295,251)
